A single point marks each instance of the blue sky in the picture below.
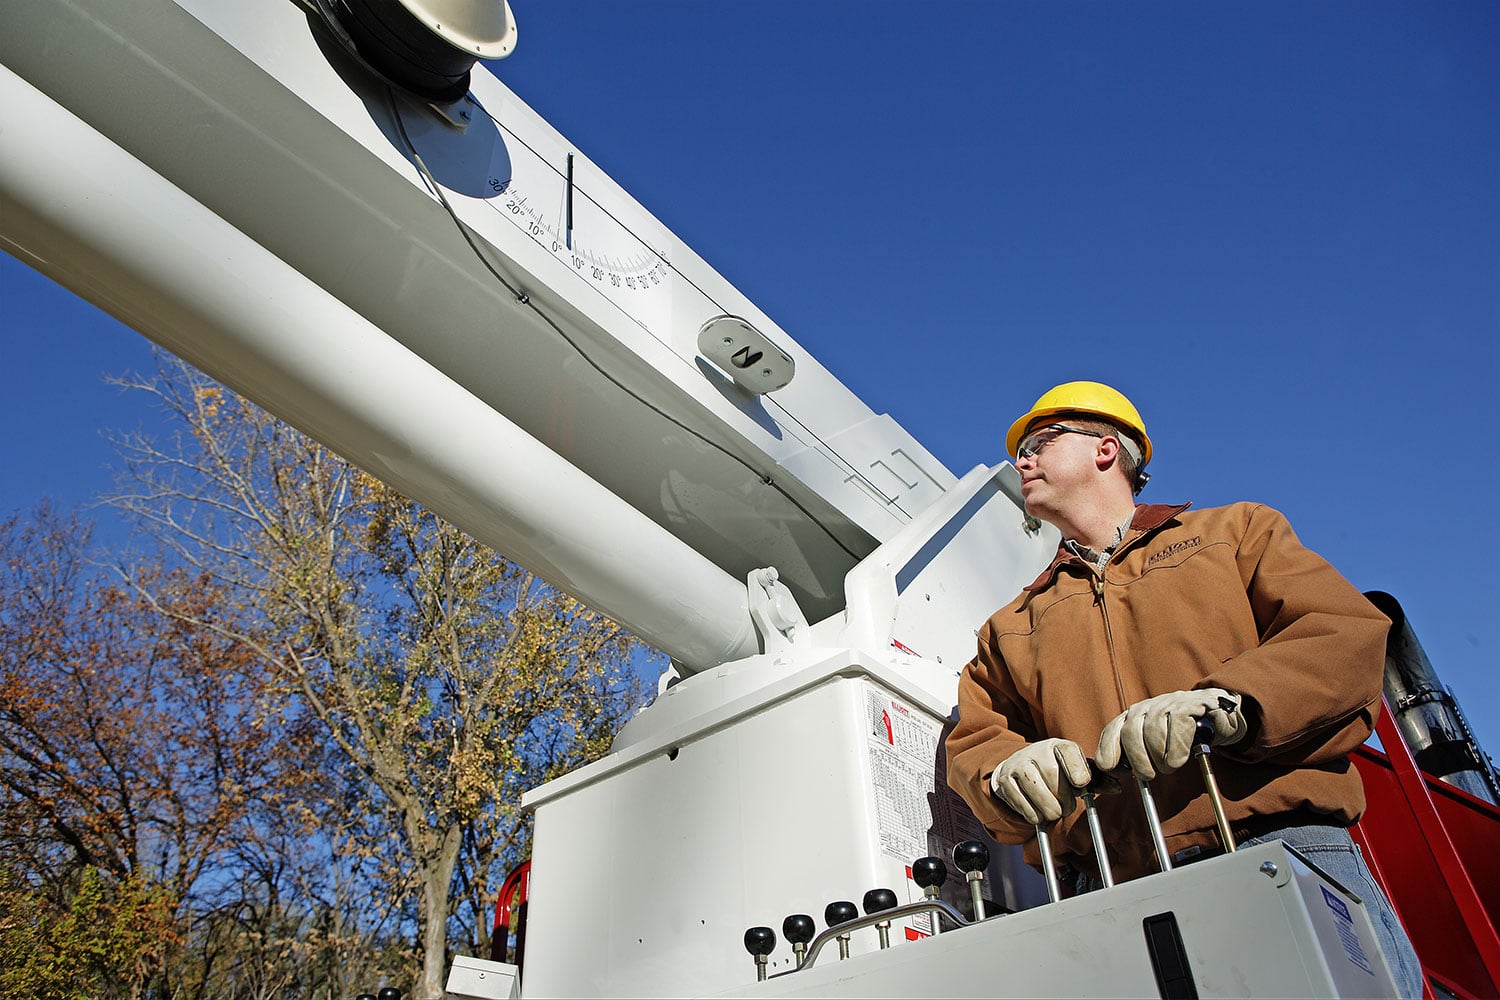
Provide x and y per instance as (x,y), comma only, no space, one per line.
(1276,226)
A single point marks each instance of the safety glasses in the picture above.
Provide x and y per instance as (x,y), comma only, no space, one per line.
(1033,443)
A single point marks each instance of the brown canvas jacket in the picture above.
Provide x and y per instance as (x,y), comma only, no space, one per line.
(1225,597)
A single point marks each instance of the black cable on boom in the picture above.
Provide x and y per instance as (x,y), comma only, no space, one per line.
(525,300)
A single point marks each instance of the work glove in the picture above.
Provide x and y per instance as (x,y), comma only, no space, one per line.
(1155,736)
(1038,781)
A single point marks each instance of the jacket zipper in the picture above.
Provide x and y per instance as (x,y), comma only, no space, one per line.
(1109,635)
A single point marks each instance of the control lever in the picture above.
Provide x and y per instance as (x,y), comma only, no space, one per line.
(972,858)
(840,912)
(1100,783)
(930,874)
(1202,740)
(1203,735)
(760,942)
(1049,866)
(875,901)
(799,929)
(1153,824)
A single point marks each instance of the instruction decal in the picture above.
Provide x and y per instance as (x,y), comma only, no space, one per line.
(1345,923)
(902,744)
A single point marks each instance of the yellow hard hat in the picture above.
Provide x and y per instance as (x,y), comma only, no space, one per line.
(1093,398)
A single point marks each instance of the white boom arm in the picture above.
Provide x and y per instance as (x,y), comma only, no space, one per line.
(238,189)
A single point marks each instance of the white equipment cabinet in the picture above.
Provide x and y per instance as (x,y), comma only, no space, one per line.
(650,864)
(1256,923)
(781,782)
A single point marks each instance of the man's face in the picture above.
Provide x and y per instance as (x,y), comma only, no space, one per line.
(1054,460)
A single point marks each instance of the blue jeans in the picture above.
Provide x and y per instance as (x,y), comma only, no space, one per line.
(1333,852)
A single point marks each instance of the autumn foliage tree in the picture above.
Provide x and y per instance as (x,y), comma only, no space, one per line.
(156,838)
(128,757)
(444,678)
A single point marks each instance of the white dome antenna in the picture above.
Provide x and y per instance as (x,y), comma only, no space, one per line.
(425,47)
(487,28)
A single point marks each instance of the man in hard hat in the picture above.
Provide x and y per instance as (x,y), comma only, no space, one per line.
(1152,617)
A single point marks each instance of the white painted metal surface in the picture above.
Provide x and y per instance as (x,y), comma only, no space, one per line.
(88,213)
(785,783)
(478,979)
(1245,933)
(247,110)
(931,586)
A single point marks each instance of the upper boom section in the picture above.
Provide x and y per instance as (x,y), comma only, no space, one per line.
(582,327)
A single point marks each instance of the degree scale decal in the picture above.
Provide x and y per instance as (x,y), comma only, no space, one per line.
(555,206)
(560,201)
(644,272)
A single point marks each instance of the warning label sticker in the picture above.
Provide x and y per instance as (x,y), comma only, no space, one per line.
(916,813)
(1347,937)
(903,747)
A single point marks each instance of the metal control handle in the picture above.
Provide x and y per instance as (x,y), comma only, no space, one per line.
(1202,741)
(1100,783)
(937,907)
(1049,866)
(1203,736)
(1153,824)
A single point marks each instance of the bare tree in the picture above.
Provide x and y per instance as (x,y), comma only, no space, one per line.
(446,678)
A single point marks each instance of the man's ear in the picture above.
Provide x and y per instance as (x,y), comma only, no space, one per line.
(1105,454)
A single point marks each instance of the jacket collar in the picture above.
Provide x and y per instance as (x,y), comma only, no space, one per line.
(1148,517)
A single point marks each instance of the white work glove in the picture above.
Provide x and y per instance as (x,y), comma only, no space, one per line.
(1155,736)
(1039,780)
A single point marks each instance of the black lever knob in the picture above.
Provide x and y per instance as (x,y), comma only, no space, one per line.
(1203,733)
(799,928)
(760,941)
(929,873)
(839,912)
(388,993)
(972,859)
(971,856)
(1101,782)
(877,900)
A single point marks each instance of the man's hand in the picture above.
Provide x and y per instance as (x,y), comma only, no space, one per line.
(1155,736)
(1038,781)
